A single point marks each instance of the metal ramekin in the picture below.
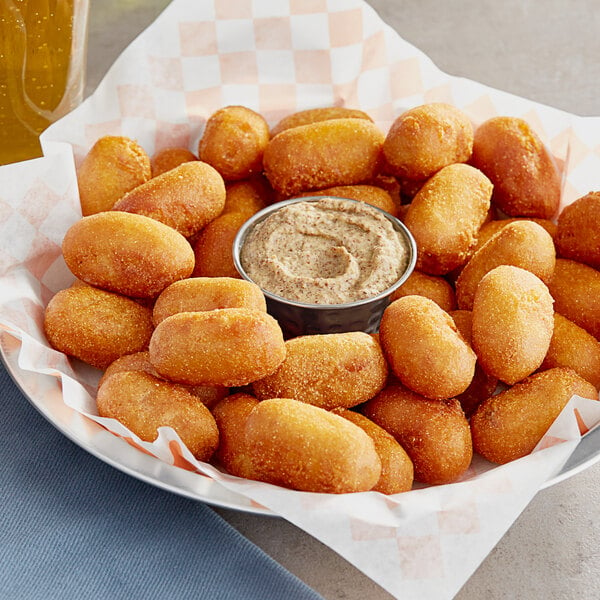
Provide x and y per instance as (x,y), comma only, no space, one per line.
(300,318)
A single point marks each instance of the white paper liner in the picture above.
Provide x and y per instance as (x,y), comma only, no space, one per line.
(277,58)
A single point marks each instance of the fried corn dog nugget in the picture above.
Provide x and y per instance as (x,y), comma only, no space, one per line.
(397,470)
(435,288)
(509,425)
(327,370)
(144,403)
(304,447)
(445,216)
(493,226)
(209,395)
(434,433)
(371,194)
(231,415)
(169,158)
(186,198)
(207,293)
(513,319)
(573,347)
(228,347)
(575,288)
(426,138)
(482,385)
(323,154)
(96,326)
(315,115)
(424,348)
(213,248)
(113,166)
(127,253)
(233,142)
(578,234)
(526,180)
(248,196)
(522,244)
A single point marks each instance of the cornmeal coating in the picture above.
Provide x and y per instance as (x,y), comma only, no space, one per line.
(168,158)
(509,425)
(493,226)
(113,166)
(233,142)
(513,320)
(433,287)
(434,433)
(127,253)
(323,154)
(397,471)
(424,348)
(424,139)
(578,231)
(575,288)
(328,370)
(186,198)
(522,244)
(304,447)
(248,196)
(207,293)
(144,403)
(445,216)
(314,115)
(572,346)
(525,177)
(228,347)
(96,326)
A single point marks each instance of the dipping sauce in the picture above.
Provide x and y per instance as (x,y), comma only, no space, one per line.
(329,251)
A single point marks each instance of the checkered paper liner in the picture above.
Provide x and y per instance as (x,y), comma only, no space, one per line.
(277,58)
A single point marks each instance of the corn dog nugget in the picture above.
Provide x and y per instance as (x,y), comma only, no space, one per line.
(314,115)
(434,433)
(445,216)
(573,347)
(522,244)
(213,248)
(426,138)
(144,403)
(113,166)
(304,447)
(186,198)
(231,414)
(509,425)
(248,196)
(229,347)
(425,349)
(169,158)
(492,227)
(578,234)
(127,253)
(513,320)
(233,142)
(526,180)
(435,288)
(327,370)
(323,154)
(207,293)
(575,288)
(96,326)
(397,471)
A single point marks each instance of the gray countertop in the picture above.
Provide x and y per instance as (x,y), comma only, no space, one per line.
(547,52)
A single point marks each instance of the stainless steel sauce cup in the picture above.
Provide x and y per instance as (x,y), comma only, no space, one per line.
(299,318)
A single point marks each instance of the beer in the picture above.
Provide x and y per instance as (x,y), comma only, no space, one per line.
(42,61)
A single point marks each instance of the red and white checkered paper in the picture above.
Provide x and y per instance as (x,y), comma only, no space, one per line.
(276,58)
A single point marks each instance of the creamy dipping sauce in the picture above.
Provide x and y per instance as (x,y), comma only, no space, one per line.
(329,251)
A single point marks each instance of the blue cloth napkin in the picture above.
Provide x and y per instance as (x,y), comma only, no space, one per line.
(73,527)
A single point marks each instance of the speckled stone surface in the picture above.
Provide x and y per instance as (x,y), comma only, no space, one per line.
(547,52)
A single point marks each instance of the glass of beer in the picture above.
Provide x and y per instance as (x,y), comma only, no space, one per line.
(42,69)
